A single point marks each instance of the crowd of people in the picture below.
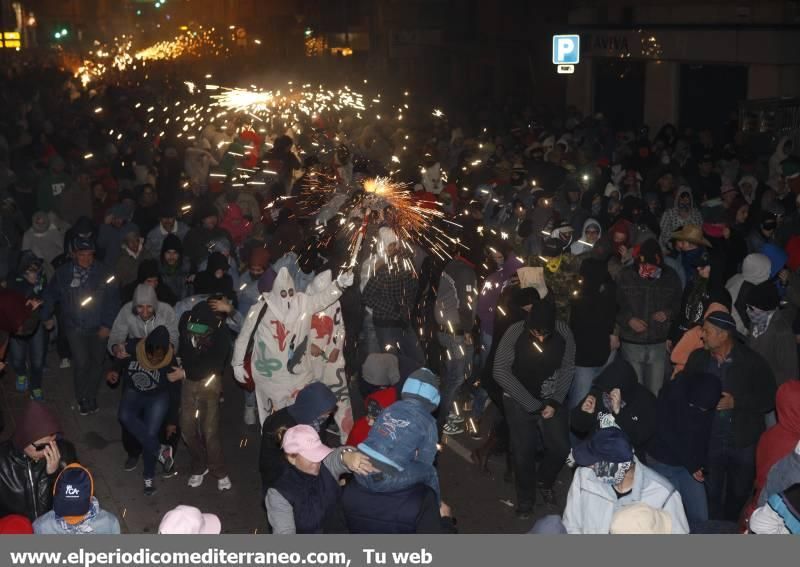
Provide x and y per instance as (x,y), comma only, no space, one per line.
(625,303)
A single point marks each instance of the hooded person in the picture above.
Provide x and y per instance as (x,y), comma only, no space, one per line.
(111,235)
(313,406)
(590,234)
(755,270)
(324,357)
(30,461)
(257,265)
(215,279)
(139,317)
(534,365)
(770,332)
(610,477)
(616,399)
(779,440)
(45,238)
(234,221)
(76,510)
(683,422)
(274,331)
(402,442)
(683,213)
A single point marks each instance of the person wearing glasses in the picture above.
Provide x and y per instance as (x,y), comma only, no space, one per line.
(30,462)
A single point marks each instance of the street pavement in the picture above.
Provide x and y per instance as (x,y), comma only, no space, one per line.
(481,502)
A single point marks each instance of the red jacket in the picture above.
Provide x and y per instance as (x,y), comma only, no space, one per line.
(361,428)
(781,439)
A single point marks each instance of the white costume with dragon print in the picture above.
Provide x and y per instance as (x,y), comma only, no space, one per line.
(283,328)
(327,334)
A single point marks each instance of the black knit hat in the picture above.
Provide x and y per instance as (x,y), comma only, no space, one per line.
(158,338)
(172,242)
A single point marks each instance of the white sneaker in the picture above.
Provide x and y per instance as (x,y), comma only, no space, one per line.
(224,483)
(455,418)
(451,428)
(250,415)
(197,479)
(65,363)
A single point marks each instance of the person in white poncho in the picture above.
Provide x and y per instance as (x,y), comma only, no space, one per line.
(281,329)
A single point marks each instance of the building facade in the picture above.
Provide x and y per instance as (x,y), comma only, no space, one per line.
(672,61)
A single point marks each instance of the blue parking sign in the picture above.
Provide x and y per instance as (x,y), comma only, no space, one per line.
(566,49)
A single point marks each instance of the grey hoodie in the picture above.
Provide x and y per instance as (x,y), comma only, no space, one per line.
(128,324)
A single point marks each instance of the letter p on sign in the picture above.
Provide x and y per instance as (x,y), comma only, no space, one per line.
(566,49)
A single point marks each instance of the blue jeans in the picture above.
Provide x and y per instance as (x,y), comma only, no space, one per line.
(731,470)
(405,338)
(143,415)
(649,362)
(413,473)
(456,365)
(32,350)
(693,493)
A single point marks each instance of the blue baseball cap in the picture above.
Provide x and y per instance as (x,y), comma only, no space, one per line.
(609,444)
(72,493)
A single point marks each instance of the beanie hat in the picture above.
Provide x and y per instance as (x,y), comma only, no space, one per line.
(172,242)
(639,518)
(649,252)
(82,244)
(422,385)
(722,320)
(217,261)
(72,493)
(764,296)
(167,211)
(121,211)
(542,317)
(552,247)
(37,421)
(145,295)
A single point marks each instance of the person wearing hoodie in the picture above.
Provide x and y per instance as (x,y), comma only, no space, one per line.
(617,400)
(592,318)
(755,270)
(148,273)
(138,318)
(76,510)
(171,266)
(534,365)
(507,263)
(610,477)
(205,351)
(30,461)
(679,449)
(748,392)
(402,443)
(763,233)
(168,223)
(215,279)
(29,351)
(273,337)
(782,475)
(590,234)
(648,295)
(248,292)
(683,213)
(324,356)
(150,398)
(45,238)
(770,331)
(89,302)
(778,442)
(313,406)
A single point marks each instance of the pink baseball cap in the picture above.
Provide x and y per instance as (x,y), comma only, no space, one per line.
(304,440)
(189,520)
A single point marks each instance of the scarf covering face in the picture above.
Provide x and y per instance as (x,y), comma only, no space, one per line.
(759,320)
(79,275)
(649,271)
(611,473)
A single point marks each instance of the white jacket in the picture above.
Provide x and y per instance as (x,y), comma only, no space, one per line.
(591,503)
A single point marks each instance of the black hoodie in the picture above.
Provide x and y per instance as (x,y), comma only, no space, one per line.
(637,418)
(203,358)
(593,314)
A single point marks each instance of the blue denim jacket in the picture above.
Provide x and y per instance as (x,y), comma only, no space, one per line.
(97,522)
(403,442)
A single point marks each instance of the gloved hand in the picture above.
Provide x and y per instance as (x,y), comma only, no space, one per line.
(345,279)
(240,374)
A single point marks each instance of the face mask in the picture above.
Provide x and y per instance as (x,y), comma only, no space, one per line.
(759,320)
(649,271)
(611,473)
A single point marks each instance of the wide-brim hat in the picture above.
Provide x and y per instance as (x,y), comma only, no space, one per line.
(691,233)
